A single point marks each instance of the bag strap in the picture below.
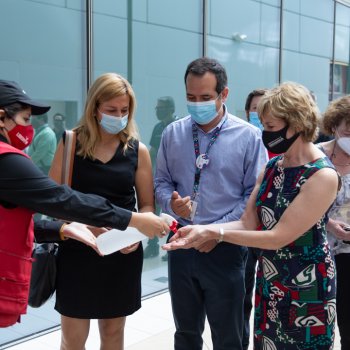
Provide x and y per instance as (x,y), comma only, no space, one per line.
(68,157)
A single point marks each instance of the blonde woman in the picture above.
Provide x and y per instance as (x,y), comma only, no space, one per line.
(111,162)
(295,284)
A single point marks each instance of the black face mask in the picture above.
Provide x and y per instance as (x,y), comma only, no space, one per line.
(276,141)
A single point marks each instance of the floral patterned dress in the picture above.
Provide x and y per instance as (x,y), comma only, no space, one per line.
(295,288)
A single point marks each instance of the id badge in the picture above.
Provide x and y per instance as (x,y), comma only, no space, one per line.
(194,205)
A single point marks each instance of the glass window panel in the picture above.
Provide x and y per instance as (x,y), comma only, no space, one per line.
(162,47)
(110,8)
(272,2)
(343,15)
(110,43)
(248,67)
(291,31)
(291,5)
(320,9)
(270,26)
(165,37)
(342,34)
(304,59)
(242,18)
(250,63)
(313,73)
(140,11)
(339,79)
(340,74)
(308,43)
(181,14)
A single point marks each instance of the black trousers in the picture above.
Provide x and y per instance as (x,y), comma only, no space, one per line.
(212,285)
(343,298)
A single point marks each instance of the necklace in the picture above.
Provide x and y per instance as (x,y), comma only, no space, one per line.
(333,155)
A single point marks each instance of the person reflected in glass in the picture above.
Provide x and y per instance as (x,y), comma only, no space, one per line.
(165,110)
(59,125)
(336,123)
(43,147)
(111,162)
(296,281)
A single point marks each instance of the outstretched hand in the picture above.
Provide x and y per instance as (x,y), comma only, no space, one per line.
(81,233)
(189,237)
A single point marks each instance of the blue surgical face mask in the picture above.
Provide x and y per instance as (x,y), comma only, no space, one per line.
(113,125)
(202,112)
(254,120)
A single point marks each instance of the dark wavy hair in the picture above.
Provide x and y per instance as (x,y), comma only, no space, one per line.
(202,65)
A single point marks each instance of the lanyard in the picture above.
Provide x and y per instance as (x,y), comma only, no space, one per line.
(202,160)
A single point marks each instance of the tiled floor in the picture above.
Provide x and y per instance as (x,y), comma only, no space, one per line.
(151,328)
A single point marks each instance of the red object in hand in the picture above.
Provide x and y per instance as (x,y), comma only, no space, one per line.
(173,226)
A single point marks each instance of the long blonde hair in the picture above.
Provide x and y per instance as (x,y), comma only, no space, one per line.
(105,88)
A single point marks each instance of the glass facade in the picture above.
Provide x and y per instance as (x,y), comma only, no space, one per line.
(55,48)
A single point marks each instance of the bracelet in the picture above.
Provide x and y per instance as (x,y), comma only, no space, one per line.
(63,238)
(221,237)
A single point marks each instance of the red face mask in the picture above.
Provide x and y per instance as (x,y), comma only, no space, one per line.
(21,136)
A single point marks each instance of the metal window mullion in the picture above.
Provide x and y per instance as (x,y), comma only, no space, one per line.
(89,53)
(205,28)
(333,50)
(280,54)
(130,41)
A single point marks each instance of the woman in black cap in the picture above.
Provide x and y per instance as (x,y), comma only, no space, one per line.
(24,189)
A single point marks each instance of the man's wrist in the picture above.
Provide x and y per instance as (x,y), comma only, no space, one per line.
(170,210)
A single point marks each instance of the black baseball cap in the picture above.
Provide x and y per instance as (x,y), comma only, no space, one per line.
(11,92)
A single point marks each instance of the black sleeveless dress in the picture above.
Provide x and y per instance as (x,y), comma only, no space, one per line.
(88,285)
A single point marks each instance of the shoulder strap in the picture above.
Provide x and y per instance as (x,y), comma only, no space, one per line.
(68,157)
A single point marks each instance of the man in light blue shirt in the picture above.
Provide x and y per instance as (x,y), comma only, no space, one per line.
(207,166)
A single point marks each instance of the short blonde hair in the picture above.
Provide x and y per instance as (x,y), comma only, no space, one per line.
(337,111)
(105,88)
(294,104)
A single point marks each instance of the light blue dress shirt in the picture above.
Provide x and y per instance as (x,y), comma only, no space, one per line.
(235,161)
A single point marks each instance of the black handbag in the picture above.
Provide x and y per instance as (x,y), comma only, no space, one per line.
(43,278)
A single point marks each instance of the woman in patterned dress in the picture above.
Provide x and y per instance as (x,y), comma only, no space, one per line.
(336,122)
(286,217)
